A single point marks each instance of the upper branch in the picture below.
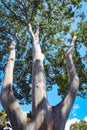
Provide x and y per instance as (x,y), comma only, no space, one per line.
(10,65)
(70,51)
(23,8)
(69,62)
(37,29)
(73,40)
(16,115)
(13,12)
(30,30)
(69,97)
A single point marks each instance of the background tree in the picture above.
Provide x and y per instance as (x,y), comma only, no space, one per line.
(82,125)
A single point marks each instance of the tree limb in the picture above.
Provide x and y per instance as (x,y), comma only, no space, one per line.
(30,30)
(37,29)
(69,62)
(64,107)
(16,115)
(73,81)
(22,22)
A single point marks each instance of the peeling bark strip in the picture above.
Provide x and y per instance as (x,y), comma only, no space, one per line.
(44,116)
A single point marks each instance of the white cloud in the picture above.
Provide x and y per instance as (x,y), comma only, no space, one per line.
(85,118)
(76,106)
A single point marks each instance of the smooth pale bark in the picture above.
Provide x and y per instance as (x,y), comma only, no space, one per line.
(44,116)
(63,108)
(8,99)
(41,110)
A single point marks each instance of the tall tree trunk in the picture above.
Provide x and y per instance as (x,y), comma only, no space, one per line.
(44,116)
(41,109)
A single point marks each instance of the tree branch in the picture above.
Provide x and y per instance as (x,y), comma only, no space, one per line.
(23,8)
(30,31)
(70,66)
(37,29)
(66,104)
(16,115)
(69,98)
(22,22)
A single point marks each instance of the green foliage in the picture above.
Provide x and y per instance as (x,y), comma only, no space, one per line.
(82,32)
(75,1)
(55,18)
(82,125)
(3,119)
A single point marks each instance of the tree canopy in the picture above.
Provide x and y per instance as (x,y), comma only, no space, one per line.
(55,19)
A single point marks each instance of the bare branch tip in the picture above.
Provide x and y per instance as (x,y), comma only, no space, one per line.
(75,37)
(29,25)
(16,34)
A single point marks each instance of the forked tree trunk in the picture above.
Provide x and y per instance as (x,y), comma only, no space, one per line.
(44,116)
